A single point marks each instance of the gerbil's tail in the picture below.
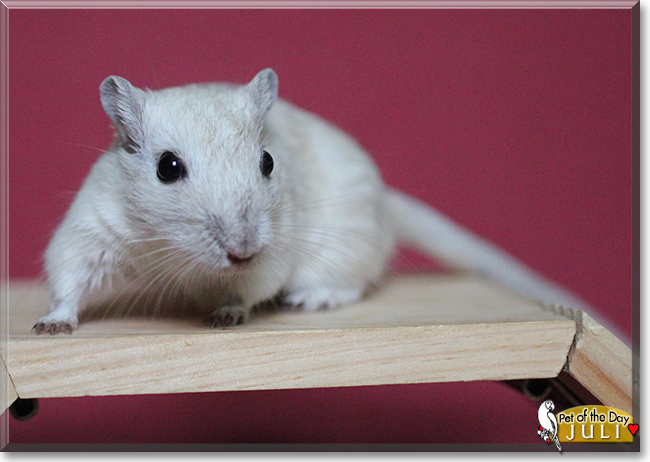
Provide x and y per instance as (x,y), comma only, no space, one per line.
(425,228)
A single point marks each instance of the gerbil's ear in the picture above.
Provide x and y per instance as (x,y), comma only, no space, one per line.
(264,90)
(124,105)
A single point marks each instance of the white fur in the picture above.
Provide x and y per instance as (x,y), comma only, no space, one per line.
(321,227)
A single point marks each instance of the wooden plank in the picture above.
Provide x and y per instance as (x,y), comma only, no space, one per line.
(603,364)
(415,329)
(9,393)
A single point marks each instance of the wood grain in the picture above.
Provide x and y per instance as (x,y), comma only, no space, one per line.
(417,328)
(603,364)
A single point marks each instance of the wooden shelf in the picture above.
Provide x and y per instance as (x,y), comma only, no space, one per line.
(417,328)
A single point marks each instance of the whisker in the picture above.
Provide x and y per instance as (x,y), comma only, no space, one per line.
(322,231)
(353,196)
(139,277)
(103,151)
(267,135)
(158,277)
(326,260)
(170,276)
(322,245)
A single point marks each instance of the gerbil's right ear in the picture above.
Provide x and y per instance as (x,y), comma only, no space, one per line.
(124,104)
(264,90)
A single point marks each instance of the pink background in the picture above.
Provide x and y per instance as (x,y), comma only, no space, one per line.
(515,123)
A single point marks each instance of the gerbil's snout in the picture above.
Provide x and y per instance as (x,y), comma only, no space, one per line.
(239,239)
(242,252)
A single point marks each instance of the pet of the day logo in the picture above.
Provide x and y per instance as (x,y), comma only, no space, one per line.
(596,424)
(585,424)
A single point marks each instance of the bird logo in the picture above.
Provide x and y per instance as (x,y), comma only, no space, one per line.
(548,424)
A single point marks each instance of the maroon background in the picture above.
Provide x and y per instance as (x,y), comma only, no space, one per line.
(515,123)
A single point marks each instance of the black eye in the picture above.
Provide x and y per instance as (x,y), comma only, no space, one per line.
(266,164)
(170,167)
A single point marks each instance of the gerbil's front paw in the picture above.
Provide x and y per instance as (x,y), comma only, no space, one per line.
(47,325)
(227,316)
(316,299)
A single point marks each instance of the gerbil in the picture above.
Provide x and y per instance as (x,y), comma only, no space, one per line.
(232,197)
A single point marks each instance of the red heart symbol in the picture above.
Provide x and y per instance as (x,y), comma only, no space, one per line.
(633,428)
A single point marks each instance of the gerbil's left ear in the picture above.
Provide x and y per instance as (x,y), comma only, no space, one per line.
(264,90)
(124,104)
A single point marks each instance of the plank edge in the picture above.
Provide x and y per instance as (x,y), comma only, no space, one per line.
(602,363)
(333,375)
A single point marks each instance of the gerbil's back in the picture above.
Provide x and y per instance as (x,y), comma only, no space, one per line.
(338,191)
(325,153)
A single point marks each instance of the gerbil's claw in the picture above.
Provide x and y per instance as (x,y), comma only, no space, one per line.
(227,316)
(224,321)
(52,328)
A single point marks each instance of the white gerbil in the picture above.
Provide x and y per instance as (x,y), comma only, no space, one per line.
(231,197)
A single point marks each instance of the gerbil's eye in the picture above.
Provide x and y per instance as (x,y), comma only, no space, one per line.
(266,164)
(170,167)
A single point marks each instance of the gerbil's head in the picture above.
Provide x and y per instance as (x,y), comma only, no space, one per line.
(197,177)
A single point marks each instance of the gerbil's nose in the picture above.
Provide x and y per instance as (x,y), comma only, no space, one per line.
(239,258)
